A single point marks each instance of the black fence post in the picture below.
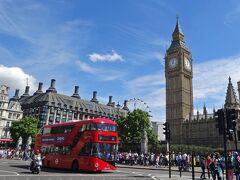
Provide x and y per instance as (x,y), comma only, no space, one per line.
(193,173)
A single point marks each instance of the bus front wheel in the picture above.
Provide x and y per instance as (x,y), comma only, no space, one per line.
(75,166)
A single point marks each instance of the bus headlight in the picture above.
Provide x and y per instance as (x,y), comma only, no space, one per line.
(96,165)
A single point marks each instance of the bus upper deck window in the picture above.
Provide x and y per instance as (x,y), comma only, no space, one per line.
(93,127)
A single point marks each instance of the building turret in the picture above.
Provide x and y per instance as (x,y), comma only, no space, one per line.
(238,83)
(197,115)
(16,96)
(205,111)
(231,101)
(76,94)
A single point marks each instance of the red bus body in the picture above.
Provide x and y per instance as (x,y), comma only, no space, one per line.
(88,145)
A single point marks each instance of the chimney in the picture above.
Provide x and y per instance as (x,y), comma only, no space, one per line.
(110,103)
(52,86)
(238,83)
(39,91)
(125,105)
(16,96)
(94,99)
(26,92)
(75,94)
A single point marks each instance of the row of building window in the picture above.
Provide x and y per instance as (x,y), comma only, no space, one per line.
(43,118)
(61,115)
(58,111)
(11,115)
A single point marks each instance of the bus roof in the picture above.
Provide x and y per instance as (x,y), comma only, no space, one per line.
(96,120)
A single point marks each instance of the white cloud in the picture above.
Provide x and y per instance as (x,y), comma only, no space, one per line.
(86,68)
(41,34)
(94,57)
(210,82)
(151,80)
(233,15)
(151,89)
(211,78)
(102,74)
(16,78)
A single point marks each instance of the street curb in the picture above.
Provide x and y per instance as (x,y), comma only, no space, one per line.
(163,169)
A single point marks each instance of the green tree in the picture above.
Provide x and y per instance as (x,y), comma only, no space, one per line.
(131,128)
(26,127)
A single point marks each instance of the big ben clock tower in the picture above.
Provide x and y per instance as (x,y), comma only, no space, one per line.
(179,94)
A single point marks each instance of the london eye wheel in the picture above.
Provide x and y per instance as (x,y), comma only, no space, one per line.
(136,103)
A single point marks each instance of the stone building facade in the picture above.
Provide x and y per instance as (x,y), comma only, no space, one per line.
(10,111)
(157,128)
(50,107)
(187,128)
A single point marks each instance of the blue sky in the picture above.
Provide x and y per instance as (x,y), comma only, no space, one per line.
(117,47)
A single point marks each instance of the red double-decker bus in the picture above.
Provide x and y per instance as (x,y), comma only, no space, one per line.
(88,145)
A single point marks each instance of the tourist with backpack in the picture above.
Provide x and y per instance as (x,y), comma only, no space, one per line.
(236,165)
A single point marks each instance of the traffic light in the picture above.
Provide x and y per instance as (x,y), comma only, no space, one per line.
(230,135)
(166,131)
(219,117)
(231,119)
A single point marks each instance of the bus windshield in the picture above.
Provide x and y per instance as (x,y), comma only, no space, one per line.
(105,151)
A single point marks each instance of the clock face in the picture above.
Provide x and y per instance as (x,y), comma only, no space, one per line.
(187,63)
(172,63)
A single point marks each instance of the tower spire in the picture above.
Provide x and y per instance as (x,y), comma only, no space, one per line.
(177,29)
(177,36)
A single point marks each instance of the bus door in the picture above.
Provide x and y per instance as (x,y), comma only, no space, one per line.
(56,158)
(65,158)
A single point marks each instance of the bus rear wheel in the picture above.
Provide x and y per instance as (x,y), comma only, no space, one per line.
(75,166)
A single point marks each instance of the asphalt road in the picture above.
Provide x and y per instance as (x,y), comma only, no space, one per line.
(19,170)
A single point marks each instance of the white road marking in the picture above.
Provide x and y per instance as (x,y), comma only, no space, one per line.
(9,172)
(153,177)
(60,175)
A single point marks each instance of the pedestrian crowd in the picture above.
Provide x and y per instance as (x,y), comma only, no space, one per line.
(8,153)
(212,165)
(153,159)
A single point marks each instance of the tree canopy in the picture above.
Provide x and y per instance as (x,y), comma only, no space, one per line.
(131,128)
(26,127)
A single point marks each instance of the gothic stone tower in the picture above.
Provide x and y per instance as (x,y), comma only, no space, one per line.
(179,94)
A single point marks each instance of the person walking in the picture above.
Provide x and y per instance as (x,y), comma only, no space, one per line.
(230,166)
(208,161)
(219,166)
(212,166)
(203,167)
